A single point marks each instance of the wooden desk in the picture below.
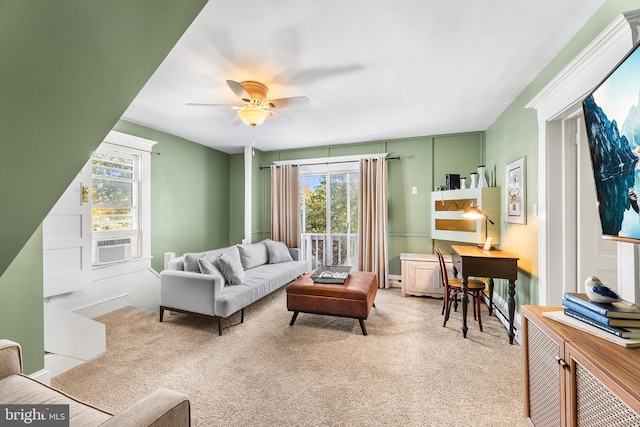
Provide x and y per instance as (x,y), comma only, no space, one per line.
(476,262)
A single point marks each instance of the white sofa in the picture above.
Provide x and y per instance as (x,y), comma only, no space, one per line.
(223,281)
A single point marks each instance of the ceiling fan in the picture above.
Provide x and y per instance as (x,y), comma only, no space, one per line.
(256,107)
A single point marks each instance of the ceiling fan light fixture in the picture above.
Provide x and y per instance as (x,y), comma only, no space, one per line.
(253,115)
(257,90)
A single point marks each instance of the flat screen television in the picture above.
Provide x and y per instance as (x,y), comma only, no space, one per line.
(612,119)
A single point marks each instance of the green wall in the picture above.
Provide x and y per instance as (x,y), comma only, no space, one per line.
(515,134)
(21,315)
(423,164)
(189,194)
(69,70)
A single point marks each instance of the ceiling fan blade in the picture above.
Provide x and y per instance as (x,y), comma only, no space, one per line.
(233,107)
(278,116)
(239,90)
(235,122)
(294,101)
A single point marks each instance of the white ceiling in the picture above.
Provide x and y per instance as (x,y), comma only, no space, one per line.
(373,70)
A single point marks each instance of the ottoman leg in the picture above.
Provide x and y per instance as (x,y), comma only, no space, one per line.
(293,319)
(364,330)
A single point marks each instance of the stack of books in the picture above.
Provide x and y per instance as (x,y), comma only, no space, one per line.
(618,321)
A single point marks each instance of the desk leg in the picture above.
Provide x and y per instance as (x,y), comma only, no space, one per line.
(465,302)
(512,308)
(490,296)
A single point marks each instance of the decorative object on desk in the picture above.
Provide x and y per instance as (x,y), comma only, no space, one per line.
(487,244)
(475,213)
(516,191)
(453,181)
(331,274)
(474,180)
(598,291)
(463,182)
(482,179)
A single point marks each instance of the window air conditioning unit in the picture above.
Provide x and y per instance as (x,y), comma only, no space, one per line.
(109,251)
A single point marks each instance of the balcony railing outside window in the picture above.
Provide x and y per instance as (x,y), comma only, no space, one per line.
(334,249)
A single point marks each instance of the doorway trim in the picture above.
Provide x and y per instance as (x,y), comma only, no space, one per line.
(555,103)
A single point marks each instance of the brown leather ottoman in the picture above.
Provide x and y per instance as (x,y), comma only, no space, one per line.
(352,299)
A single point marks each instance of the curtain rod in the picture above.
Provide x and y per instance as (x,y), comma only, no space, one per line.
(331,163)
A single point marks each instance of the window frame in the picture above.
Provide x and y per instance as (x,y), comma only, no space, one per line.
(136,182)
(141,149)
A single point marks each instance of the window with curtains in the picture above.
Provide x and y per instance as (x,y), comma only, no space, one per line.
(329,213)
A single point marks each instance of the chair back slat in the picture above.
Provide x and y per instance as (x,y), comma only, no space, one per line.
(443,267)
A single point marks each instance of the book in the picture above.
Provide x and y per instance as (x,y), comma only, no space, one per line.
(620,332)
(560,317)
(619,309)
(617,323)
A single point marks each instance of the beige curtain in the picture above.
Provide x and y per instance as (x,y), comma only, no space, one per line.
(285,205)
(372,219)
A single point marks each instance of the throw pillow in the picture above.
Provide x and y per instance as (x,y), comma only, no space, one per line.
(231,268)
(191,261)
(253,255)
(278,252)
(207,266)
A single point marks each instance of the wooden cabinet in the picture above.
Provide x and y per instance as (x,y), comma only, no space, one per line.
(447,222)
(421,274)
(572,378)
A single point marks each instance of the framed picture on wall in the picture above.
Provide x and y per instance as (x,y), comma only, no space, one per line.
(516,191)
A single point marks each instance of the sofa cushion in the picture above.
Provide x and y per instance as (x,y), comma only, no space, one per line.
(253,255)
(190,262)
(18,389)
(207,266)
(258,282)
(231,267)
(278,252)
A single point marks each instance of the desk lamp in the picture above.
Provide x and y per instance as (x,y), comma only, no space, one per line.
(474,213)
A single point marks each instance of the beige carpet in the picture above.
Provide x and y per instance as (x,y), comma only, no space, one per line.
(409,370)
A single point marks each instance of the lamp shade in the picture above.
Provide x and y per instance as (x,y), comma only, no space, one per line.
(473,213)
(252,115)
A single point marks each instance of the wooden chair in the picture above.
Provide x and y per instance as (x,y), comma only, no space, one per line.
(453,287)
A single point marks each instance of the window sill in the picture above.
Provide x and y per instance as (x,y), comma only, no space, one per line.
(101,272)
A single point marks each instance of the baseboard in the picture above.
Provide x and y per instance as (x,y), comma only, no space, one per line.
(395,281)
(43,376)
(501,311)
(55,364)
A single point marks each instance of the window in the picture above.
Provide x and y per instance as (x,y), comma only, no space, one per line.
(113,194)
(329,212)
(115,197)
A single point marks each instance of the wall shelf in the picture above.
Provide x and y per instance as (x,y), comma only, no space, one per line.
(447,222)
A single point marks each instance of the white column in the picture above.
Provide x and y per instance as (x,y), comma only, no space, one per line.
(248,164)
